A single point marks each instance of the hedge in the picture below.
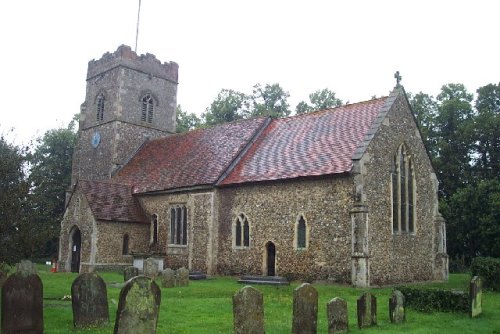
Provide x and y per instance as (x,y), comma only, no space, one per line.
(488,268)
(428,299)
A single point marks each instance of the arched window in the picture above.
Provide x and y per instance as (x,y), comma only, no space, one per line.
(178,225)
(125,244)
(154,229)
(147,108)
(403,192)
(241,231)
(301,233)
(100,107)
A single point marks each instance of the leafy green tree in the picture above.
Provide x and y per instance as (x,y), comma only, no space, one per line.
(425,109)
(229,106)
(320,99)
(13,192)
(270,100)
(186,121)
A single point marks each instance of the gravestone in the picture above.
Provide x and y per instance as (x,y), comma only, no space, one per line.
(138,307)
(336,311)
(367,310)
(22,301)
(182,277)
(475,296)
(168,278)
(248,311)
(89,299)
(151,268)
(397,309)
(305,309)
(130,272)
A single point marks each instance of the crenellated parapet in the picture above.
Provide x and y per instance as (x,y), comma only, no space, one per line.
(124,56)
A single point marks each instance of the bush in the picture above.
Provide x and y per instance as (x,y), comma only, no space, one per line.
(488,268)
(427,299)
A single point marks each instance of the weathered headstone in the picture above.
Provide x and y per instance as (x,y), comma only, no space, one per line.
(305,309)
(248,311)
(130,272)
(337,316)
(182,277)
(397,309)
(168,278)
(89,299)
(367,310)
(475,296)
(138,307)
(151,268)
(22,301)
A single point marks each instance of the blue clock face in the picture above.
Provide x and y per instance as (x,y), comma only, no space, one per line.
(96,139)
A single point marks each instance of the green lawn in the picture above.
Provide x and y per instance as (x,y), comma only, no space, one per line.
(206,307)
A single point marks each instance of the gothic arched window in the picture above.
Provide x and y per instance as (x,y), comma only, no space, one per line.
(100,107)
(178,225)
(147,108)
(241,231)
(301,233)
(403,192)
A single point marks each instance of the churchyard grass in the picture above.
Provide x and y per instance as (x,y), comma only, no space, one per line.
(206,307)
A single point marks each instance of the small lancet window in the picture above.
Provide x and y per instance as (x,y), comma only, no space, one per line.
(403,192)
(242,232)
(147,108)
(154,229)
(301,233)
(100,107)
(125,244)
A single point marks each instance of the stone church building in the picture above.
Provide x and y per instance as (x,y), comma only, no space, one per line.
(346,194)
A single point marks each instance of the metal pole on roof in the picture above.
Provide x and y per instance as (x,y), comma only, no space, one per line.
(137,29)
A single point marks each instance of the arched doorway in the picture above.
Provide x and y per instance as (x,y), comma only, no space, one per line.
(271,259)
(76,246)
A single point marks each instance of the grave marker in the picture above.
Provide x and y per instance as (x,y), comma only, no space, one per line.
(305,309)
(337,316)
(367,310)
(89,299)
(248,311)
(397,309)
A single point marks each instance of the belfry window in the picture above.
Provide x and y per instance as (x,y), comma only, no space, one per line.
(178,225)
(241,231)
(403,192)
(100,107)
(147,108)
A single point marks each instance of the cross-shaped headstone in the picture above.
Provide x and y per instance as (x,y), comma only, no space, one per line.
(398,78)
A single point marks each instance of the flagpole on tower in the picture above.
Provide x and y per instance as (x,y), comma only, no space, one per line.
(137,29)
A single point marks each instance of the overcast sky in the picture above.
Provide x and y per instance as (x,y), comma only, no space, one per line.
(351,47)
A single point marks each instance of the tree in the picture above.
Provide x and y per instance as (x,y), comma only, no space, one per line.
(229,106)
(425,109)
(320,99)
(270,100)
(186,121)
(13,192)
(50,176)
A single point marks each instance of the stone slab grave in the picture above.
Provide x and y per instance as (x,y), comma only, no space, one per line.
(182,276)
(367,310)
(263,280)
(168,278)
(150,268)
(397,308)
(305,310)
(197,275)
(138,307)
(89,300)
(22,301)
(130,272)
(248,311)
(475,296)
(337,315)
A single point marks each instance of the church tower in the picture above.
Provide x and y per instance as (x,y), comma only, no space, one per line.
(129,99)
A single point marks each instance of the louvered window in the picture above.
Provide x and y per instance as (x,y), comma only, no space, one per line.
(100,108)
(147,109)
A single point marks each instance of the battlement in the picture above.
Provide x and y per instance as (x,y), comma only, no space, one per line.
(124,56)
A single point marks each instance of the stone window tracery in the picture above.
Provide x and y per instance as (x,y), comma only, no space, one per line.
(403,192)
(100,107)
(241,231)
(178,225)
(147,108)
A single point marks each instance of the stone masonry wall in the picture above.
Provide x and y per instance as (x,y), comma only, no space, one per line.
(403,257)
(272,210)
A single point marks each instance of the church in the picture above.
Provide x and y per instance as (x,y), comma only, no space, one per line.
(346,194)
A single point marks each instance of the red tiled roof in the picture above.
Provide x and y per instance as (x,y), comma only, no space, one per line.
(317,143)
(194,158)
(112,201)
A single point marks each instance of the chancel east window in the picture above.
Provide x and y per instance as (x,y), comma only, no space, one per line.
(242,232)
(147,108)
(178,225)
(100,107)
(403,192)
